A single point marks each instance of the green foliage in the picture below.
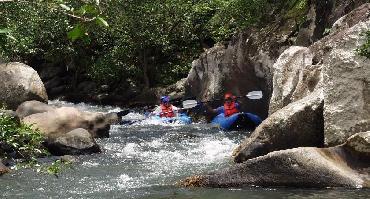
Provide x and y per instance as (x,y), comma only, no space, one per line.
(20,139)
(150,42)
(56,167)
(364,50)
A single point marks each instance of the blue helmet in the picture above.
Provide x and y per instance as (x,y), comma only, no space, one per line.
(165,99)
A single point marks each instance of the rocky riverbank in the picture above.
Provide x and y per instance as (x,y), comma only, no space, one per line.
(319,98)
(67,130)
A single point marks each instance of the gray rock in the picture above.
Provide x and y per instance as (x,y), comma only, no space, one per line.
(360,143)
(298,124)
(68,159)
(20,83)
(32,107)
(346,85)
(62,120)
(76,142)
(294,77)
(299,167)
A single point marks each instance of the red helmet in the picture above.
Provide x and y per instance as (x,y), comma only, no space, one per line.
(229,96)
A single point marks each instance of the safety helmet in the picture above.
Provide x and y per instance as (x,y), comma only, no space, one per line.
(229,96)
(165,99)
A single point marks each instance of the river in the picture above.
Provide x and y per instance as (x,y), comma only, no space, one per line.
(145,160)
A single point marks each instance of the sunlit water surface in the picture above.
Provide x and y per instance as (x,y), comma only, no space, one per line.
(145,160)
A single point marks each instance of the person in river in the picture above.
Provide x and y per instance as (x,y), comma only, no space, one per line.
(229,108)
(166,109)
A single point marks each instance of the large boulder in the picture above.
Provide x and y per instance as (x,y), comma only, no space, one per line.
(32,107)
(294,77)
(347,78)
(298,167)
(245,63)
(62,120)
(76,142)
(298,124)
(20,83)
(360,143)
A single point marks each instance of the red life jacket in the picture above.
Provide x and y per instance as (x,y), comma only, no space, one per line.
(230,109)
(166,111)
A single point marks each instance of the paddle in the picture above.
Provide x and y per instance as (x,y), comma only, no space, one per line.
(187,104)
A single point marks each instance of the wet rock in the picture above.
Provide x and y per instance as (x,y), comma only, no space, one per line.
(62,120)
(298,124)
(360,143)
(32,107)
(3,168)
(20,83)
(76,142)
(68,159)
(299,167)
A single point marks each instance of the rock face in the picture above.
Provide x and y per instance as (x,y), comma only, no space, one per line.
(62,120)
(340,78)
(246,62)
(346,85)
(284,129)
(76,142)
(20,83)
(294,77)
(32,107)
(360,143)
(299,167)
(320,97)
(3,168)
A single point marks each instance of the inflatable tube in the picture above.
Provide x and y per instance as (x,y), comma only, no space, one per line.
(238,121)
(181,119)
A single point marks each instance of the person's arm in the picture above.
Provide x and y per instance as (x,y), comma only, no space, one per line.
(156,111)
(210,109)
(237,105)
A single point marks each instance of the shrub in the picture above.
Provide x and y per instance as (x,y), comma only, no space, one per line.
(19,140)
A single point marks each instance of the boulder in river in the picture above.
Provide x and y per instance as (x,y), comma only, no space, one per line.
(20,83)
(62,120)
(32,107)
(76,142)
(360,143)
(298,124)
(298,167)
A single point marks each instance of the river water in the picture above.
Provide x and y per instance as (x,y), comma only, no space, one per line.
(145,160)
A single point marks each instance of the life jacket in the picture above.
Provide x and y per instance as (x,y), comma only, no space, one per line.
(230,109)
(166,111)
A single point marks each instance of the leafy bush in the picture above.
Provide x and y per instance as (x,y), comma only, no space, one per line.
(151,42)
(364,50)
(19,140)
